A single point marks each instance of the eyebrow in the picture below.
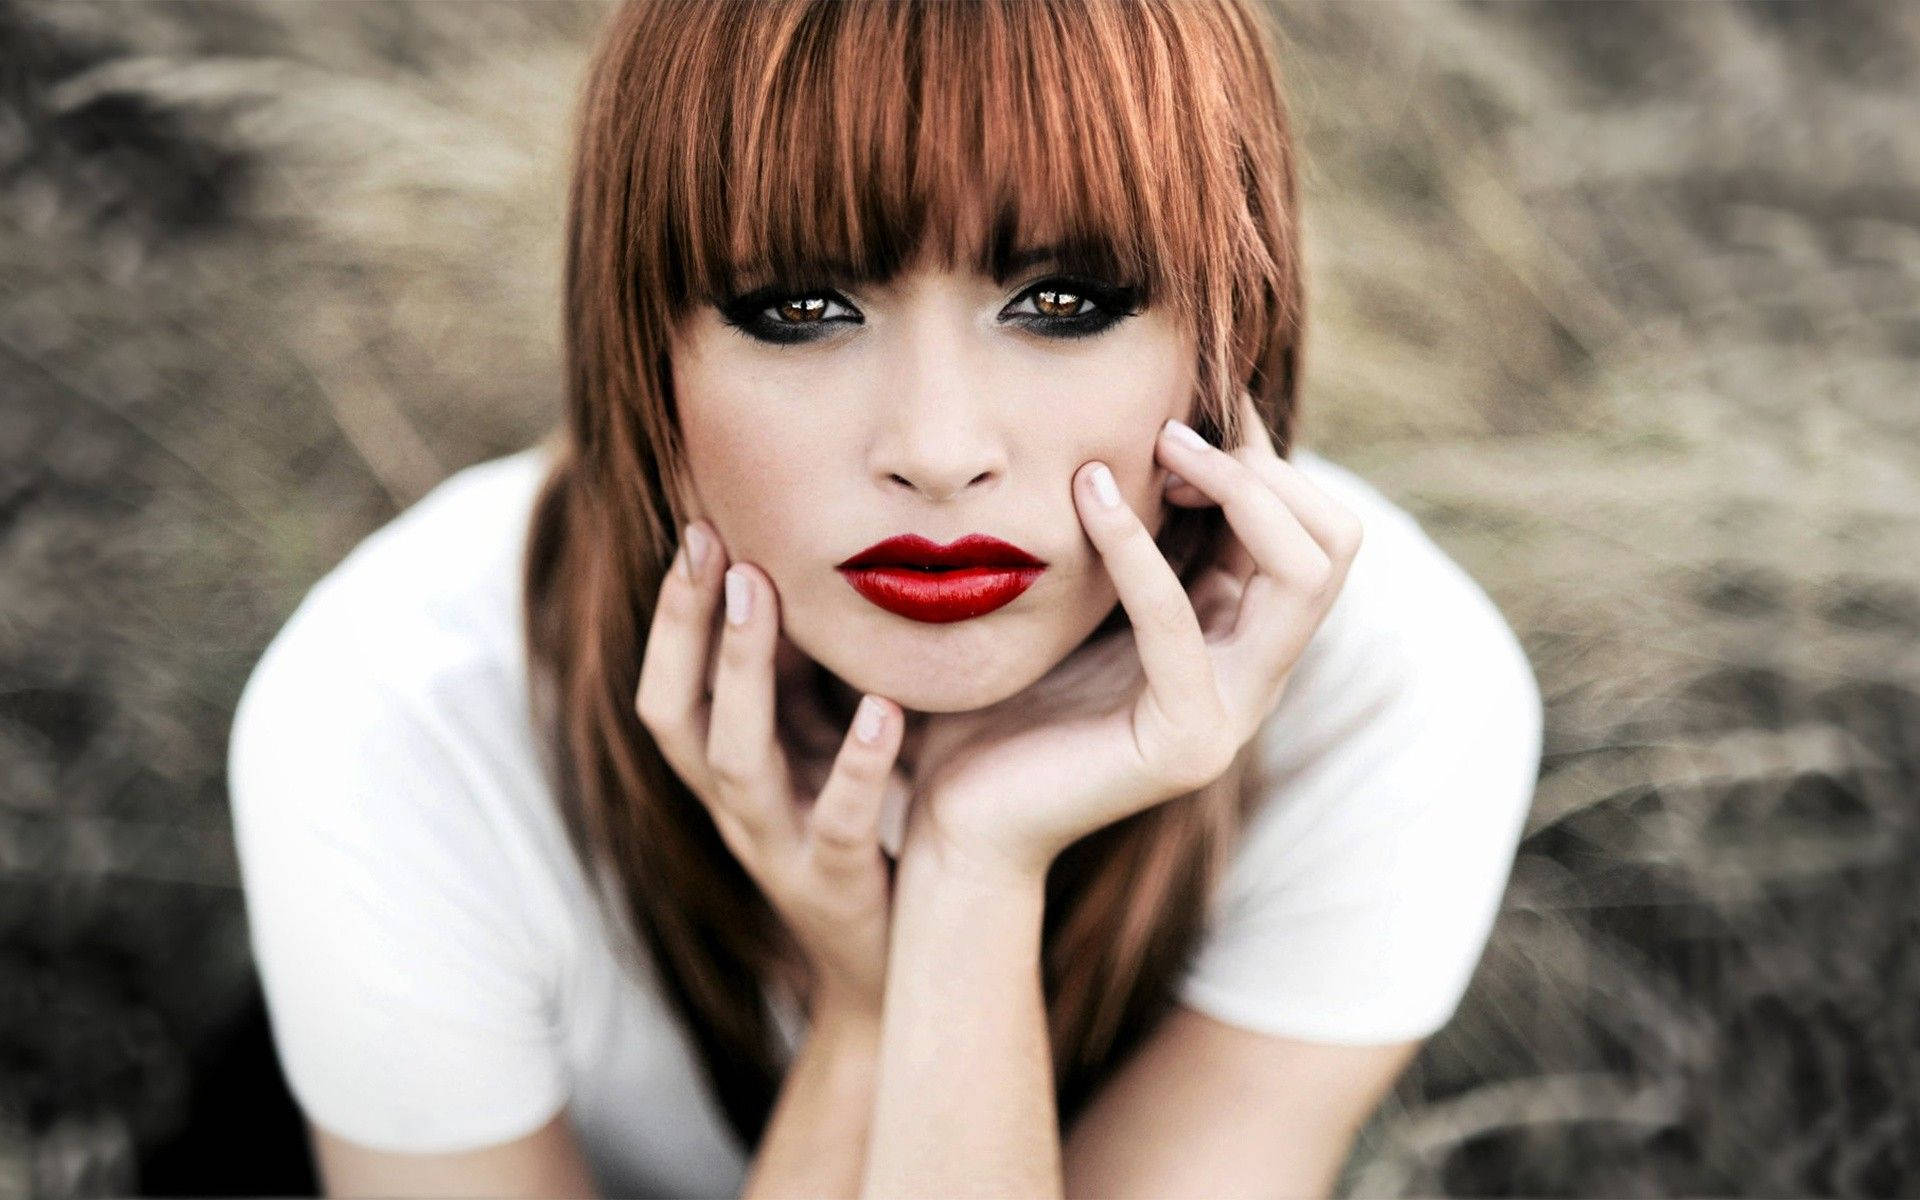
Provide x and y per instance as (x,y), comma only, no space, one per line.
(1008,265)
(1000,261)
(1090,255)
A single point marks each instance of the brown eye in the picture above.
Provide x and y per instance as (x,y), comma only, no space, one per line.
(786,314)
(1051,302)
(801,310)
(1068,307)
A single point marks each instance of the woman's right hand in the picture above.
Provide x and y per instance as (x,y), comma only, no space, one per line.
(818,862)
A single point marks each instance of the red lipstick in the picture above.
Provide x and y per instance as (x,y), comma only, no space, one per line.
(915,578)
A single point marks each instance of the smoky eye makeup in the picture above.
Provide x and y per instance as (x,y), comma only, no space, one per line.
(784,314)
(1073,306)
(1058,306)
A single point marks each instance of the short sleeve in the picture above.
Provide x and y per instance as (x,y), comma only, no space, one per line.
(405,990)
(1364,889)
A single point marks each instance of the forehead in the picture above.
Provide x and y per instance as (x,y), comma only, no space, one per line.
(840,141)
(1000,261)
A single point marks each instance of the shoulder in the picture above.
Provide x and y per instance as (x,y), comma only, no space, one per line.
(396,853)
(433,592)
(1395,775)
(1404,587)
(409,646)
(447,566)
(1413,643)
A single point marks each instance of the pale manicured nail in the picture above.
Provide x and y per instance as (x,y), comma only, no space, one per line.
(1173,480)
(696,550)
(866,722)
(1180,429)
(739,596)
(1104,487)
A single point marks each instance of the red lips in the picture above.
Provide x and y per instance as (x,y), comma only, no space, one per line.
(924,581)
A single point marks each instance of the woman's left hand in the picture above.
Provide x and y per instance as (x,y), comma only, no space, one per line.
(1010,794)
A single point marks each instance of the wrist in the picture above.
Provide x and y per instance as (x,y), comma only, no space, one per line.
(967,878)
(961,864)
(962,856)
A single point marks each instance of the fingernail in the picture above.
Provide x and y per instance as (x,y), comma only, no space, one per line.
(1185,433)
(866,722)
(1173,480)
(1103,486)
(696,550)
(739,598)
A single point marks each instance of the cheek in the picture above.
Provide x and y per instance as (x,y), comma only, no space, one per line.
(736,448)
(749,482)
(1119,407)
(752,460)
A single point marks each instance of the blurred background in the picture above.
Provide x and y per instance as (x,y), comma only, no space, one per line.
(1622,301)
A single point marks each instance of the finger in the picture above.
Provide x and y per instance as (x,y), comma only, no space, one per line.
(1233,556)
(845,822)
(1329,523)
(671,697)
(1216,601)
(1167,635)
(1332,526)
(748,766)
(1178,491)
(1272,540)
(1288,589)
(1270,630)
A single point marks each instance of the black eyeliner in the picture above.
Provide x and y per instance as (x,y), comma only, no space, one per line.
(1112,303)
(747,312)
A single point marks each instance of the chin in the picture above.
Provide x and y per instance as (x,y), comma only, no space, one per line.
(929,688)
(951,696)
(935,669)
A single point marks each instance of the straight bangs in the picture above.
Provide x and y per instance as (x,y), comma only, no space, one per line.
(805,143)
(728,146)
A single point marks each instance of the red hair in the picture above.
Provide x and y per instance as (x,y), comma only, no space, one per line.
(717,141)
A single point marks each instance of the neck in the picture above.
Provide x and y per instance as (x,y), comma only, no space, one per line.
(801,677)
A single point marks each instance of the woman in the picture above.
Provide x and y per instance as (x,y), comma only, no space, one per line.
(1067,801)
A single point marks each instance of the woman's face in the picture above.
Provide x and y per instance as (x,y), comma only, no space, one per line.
(941,404)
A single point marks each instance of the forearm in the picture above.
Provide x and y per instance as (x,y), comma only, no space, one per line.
(816,1138)
(964,1104)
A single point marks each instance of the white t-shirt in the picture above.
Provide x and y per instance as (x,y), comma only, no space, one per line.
(437,974)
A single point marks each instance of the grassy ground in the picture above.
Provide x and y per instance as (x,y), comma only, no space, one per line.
(1622,301)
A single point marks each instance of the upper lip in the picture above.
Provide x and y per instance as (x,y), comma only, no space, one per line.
(973,550)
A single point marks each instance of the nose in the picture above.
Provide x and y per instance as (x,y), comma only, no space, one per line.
(939,431)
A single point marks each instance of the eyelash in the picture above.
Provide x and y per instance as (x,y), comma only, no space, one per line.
(1111,305)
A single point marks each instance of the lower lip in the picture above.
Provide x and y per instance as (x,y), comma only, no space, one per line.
(938,597)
